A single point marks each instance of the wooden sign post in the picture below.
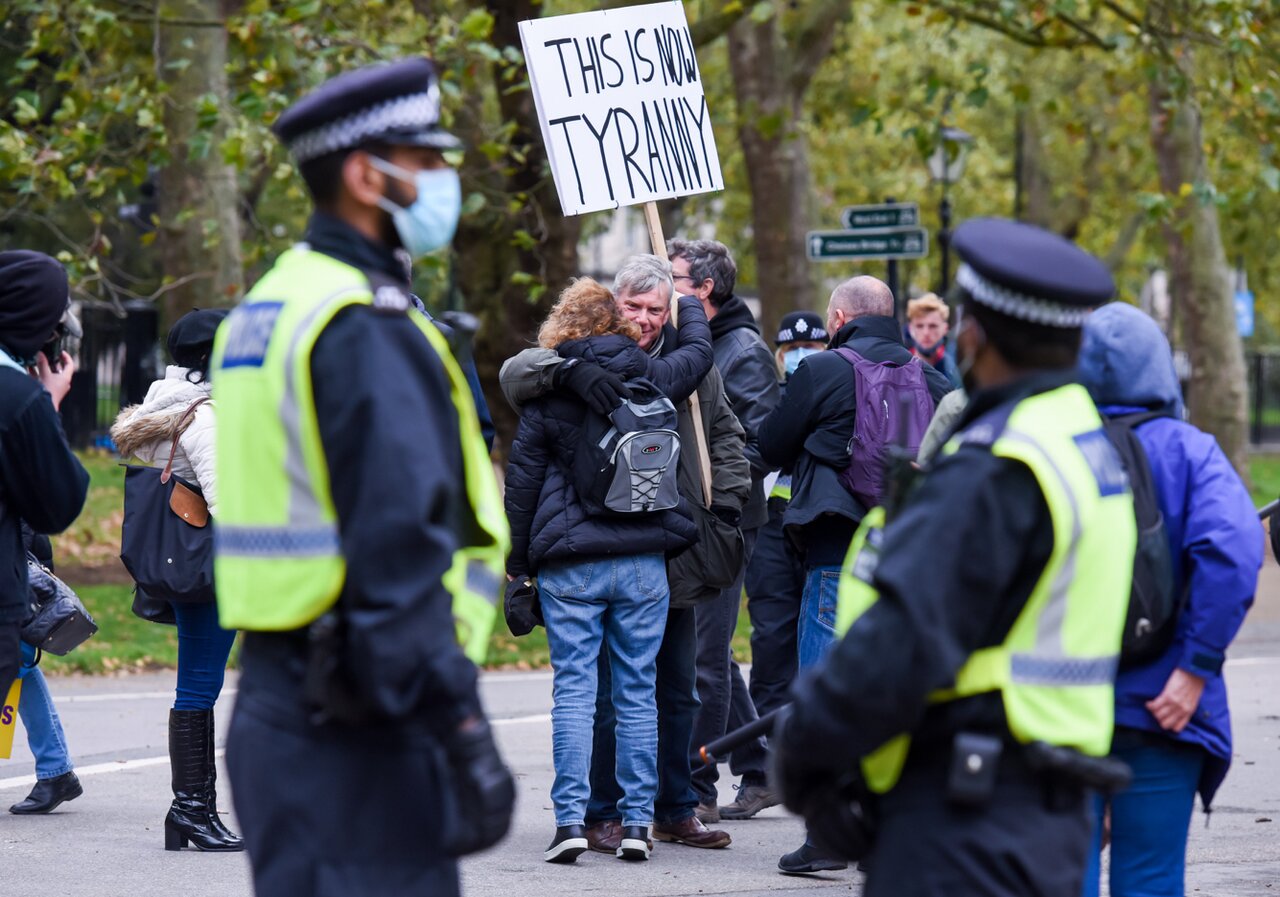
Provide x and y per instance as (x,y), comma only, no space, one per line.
(659,244)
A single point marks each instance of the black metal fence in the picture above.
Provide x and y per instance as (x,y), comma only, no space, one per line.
(1264,397)
(119,358)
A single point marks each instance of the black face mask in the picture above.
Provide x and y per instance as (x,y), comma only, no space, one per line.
(964,361)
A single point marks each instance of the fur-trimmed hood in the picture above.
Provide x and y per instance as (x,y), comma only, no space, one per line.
(146,431)
(154,420)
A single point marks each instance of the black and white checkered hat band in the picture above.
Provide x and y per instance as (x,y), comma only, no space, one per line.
(1019,305)
(790,336)
(419,110)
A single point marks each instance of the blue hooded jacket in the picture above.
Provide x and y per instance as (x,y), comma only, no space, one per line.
(1213,529)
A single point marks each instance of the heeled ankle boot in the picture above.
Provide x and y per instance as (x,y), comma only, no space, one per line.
(190,819)
(211,792)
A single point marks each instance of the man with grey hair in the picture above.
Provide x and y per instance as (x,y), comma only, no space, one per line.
(705,269)
(681,362)
(811,433)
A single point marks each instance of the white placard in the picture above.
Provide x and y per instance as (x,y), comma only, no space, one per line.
(621,106)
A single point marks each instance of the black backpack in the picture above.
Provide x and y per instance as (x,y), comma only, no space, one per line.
(1153,604)
(626,463)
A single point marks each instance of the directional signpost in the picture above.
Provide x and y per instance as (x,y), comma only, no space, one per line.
(887,231)
(874,243)
(889,214)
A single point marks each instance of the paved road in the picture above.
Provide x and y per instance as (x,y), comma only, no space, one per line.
(110,841)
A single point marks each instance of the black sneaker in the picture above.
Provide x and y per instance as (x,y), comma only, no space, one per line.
(635,843)
(567,845)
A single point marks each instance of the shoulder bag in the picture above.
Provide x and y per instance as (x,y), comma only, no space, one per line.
(167,540)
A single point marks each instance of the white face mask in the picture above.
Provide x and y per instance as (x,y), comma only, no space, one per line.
(429,222)
(792,357)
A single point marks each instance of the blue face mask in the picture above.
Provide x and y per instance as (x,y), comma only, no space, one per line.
(429,222)
(792,357)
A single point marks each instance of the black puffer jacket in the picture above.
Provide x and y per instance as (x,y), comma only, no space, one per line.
(547,520)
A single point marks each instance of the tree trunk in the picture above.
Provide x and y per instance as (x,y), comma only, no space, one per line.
(777,169)
(488,253)
(198,197)
(1200,281)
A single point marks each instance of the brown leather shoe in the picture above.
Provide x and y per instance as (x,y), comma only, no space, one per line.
(692,832)
(605,837)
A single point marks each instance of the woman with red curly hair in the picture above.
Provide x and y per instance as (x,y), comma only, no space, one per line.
(602,580)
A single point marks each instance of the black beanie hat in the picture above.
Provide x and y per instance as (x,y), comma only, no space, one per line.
(33,297)
(191,336)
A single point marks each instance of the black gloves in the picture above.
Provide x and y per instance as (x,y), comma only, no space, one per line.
(484,792)
(602,390)
(835,806)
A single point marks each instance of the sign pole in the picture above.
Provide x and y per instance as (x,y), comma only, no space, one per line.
(659,244)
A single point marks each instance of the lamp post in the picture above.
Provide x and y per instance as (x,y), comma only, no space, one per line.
(946,165)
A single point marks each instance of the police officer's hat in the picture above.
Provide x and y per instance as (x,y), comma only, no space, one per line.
(396,102)
(801,326)
(1029,273)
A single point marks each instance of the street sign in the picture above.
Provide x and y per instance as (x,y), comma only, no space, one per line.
(888,214)
(880,243)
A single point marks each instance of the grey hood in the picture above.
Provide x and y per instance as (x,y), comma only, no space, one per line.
(1125,361)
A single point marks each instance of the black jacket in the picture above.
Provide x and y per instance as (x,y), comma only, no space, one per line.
(391,441)
(956,569)
(810,433)
(41,482)
(547,519)
(751,383)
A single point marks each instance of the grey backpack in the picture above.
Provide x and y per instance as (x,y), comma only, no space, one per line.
(627,462)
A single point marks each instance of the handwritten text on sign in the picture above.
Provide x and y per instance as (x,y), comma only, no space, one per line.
(620,103)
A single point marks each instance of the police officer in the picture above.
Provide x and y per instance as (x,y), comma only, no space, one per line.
(361,536)
(970,697)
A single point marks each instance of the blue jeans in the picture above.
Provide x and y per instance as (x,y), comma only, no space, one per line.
(619,603)
(818,613)
(1149,819)
(677,708)
(45,737)
(203,649)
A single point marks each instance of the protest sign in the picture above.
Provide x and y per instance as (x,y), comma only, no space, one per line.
(621,106)
(9,719)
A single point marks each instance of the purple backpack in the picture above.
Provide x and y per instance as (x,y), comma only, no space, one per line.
(893,403)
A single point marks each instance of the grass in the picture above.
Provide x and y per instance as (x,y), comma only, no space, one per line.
(1264,470)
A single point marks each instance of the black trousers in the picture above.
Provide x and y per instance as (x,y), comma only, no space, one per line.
(775,581)
(336,811)
(10,656)
(1030,840)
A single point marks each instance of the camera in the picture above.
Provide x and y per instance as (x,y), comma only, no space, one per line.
(66,338)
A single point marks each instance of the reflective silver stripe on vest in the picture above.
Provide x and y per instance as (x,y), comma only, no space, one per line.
(304,505)
(1047,663)
(482,581)
(276,541)
(1027,669)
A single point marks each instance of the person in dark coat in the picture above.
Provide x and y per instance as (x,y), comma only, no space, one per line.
(810,433)
(41,482)
(1173,724)
(928,320)
(705,269)
(775,575)
(359,753)
(602,580)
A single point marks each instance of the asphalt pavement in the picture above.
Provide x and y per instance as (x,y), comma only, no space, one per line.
(110,841)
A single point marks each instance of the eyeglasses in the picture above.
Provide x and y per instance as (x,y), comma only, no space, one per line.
(683,277)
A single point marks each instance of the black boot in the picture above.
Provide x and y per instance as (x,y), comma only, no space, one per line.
(190,817)
(212,791)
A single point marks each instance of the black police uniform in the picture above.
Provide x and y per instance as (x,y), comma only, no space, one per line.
(329,808)
(956,569)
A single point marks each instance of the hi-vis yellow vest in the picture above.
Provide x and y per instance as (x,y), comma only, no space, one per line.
(1056,669)
(278,562)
